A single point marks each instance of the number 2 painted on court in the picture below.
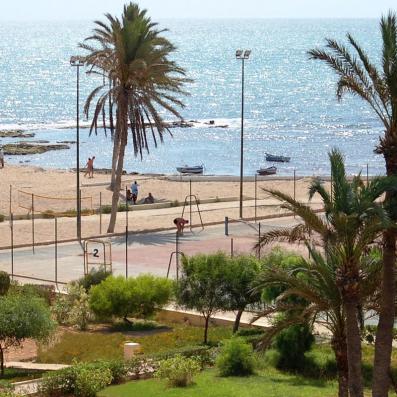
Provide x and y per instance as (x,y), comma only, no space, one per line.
(95,253)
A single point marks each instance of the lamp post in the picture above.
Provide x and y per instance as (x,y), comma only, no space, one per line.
(242,55)
(77,62)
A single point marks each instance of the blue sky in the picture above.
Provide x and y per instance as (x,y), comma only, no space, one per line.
(91,9)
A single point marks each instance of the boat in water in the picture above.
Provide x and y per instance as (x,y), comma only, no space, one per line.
(267,171)
(279,159)
(196,169)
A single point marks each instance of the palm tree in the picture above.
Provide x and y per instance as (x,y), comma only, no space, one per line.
(135,56)
(353,221)
(378,87)
(313,286)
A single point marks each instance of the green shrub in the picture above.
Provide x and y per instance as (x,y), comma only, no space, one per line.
(5,283)
(2,218)
(45,292)
(236,358)
(292,343)
(89,381)
(106,209)
(94,277)
(6,389)
(79,380)
(48,214)
(178,371)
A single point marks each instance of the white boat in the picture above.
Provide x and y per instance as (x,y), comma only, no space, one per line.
(267,171)
(279,159)
(196,169)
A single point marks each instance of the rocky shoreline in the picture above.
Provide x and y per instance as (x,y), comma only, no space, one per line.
(23,149)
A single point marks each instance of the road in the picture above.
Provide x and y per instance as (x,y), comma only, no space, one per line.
(145,253)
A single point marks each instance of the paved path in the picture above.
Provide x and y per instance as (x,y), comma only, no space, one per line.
(147,253)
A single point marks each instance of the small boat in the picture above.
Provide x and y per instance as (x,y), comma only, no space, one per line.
(267,171)
(279,159)
(196,169)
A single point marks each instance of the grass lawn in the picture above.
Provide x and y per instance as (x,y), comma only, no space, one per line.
(90,346)
(267,383)
(19,375)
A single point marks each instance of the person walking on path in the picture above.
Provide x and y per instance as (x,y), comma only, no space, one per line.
(134,191)
(1,157)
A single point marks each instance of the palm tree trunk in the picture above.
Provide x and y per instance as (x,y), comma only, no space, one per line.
(1,361)
(384,333)
(236,324)
(122,126)
(339,346)
(116,147)
(353,339)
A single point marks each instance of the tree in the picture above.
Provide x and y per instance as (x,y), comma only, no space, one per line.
(302,291)
(22,317)
(133,297)
(240,275)
(201,285)
(359,76)
(134,55)
(353,221)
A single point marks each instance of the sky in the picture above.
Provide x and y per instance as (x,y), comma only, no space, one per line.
(92,9)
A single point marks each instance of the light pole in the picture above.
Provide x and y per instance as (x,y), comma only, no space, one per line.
(77,62)
(242,55)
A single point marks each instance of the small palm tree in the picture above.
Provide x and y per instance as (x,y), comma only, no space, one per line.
(134,56)
(313,287)
(353,221)
(358,75)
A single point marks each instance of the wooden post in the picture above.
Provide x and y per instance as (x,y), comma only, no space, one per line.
(32,222)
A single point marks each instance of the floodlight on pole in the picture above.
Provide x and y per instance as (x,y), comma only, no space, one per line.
(242,55)
(78,62)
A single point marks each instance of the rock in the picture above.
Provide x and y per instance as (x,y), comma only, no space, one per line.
(68,142)
(16,134)
(22,149)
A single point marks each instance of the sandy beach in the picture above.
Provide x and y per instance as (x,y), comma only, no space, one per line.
(54,190)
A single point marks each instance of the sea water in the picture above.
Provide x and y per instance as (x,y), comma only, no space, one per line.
(290,103)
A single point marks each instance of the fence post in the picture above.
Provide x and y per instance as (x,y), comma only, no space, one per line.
(100,213)
(126,252)
(231,247)
(126,206)
(56,250)
(256,195)
(226,225)
(10,200)
(33,222)
(12,246)
(259,241)
(80,213)
(190,201)
(177,254)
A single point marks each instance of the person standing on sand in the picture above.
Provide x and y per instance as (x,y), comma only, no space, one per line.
(1,156)
(88,167)
(134,191)
(92,167)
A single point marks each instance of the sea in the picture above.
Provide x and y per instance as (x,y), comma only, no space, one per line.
(290,104)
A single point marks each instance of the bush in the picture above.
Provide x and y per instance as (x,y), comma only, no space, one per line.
(236,358)
(178,371)
(5,283)
(2,218)
(292,343)
(80,380)
(45,292)
(94,277)
(136,297)
(89,381)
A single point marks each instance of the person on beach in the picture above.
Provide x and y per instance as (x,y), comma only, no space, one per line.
(149,199)
(134,191)
(1,156)
(92,167)
(129,195)
(180,225)
(88,167)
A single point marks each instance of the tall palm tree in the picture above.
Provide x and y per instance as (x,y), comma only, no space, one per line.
(135,56)
(315,285)
(353,221)
(358,75)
